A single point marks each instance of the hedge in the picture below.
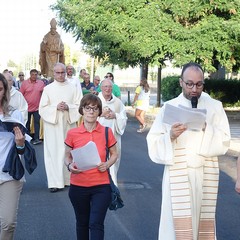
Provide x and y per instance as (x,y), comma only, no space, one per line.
(226,91)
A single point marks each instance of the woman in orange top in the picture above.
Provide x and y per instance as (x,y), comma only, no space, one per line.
(90,191)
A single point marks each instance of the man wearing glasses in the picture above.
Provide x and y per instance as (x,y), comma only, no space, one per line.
(191,174)
(115,89)
(59,110)
(21,79)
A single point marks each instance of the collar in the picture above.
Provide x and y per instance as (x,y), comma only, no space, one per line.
(82,129)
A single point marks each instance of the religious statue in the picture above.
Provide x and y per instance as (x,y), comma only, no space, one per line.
(51,50)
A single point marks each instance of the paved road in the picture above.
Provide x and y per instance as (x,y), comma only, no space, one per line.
(49,216)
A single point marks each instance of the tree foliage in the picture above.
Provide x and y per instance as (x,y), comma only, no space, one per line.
(132,32)
(11,64)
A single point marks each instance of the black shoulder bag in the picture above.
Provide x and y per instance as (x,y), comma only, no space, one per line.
(116,201)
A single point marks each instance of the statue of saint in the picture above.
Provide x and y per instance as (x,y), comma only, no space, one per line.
(51,50)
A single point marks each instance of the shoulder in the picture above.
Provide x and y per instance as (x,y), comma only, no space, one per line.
(119,104)
(209,100)
(49,86)
(40,83)
(138,89)
(174,101)
(18,93)
(72,131)
(100,127)
(116,87)
(25,82)
(17,115)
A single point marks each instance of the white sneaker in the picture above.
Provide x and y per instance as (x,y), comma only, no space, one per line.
(144,127)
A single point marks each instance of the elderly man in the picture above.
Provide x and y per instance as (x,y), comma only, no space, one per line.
(113,116)
(191,173)
(17,100)
(87,86)
(59,110)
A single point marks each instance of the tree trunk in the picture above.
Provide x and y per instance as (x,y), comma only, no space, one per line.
(144,71)
(159,78)
(219,74)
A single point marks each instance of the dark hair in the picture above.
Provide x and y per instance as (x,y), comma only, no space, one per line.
(189,65)
(90,99)
(34,70)
(145,85)
(6,95)
(111,75)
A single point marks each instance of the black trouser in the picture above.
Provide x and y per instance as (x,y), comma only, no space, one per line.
(90,205)
(36,120)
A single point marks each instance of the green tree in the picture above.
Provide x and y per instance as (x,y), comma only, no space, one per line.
(142,32)
(11,64)
(132,32)
(71,56)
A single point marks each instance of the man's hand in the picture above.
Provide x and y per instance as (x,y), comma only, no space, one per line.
(176,130)
(62,106)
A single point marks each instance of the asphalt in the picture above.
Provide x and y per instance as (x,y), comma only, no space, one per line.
(227,162)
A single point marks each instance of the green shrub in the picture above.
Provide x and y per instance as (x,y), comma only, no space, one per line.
(170,88)
(226,91)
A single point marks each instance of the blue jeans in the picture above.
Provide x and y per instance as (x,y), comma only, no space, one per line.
(90,205)
(36,120)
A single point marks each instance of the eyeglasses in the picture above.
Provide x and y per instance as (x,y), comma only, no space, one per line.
(20,75)
(60,73)
(88,109)
(191,85)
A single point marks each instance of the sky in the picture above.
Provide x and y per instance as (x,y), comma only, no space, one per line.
(23,24)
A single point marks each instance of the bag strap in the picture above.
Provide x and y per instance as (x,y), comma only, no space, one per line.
(107,157)
(107,149)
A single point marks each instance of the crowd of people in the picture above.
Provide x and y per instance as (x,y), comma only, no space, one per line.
(49,109)
(69,112)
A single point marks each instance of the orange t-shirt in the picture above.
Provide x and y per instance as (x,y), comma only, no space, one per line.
(78,137)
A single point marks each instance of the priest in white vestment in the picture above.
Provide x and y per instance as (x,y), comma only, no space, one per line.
(59,110)
(17,100)
(191,174)
(113,116)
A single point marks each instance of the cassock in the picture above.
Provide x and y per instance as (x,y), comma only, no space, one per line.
(18,102)
(117,125)
(56,124)
(191,173)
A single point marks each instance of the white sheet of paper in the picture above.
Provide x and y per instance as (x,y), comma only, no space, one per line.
(193,118)
(86,157)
